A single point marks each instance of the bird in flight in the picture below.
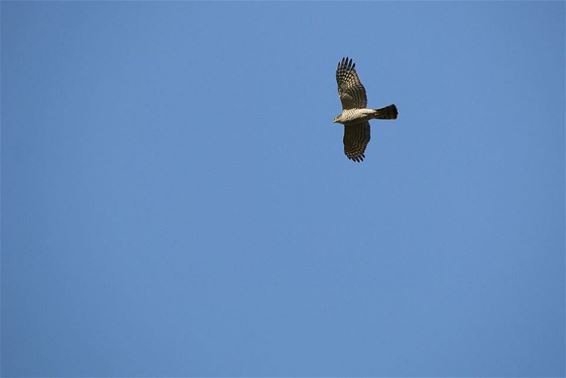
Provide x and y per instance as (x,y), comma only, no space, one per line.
(355,115)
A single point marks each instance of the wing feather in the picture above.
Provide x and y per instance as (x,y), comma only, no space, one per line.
(356,138)
(350,89)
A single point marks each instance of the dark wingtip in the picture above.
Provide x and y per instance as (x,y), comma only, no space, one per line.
(347,63)
(357,159)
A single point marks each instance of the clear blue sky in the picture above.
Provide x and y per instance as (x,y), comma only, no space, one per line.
(176,202)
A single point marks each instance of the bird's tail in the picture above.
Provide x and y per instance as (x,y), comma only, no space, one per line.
(389,112)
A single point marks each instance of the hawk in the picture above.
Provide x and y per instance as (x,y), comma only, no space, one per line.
(355,115)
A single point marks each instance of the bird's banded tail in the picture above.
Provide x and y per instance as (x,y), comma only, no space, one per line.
(389,112)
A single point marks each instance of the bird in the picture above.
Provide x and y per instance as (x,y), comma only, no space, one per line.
(355,115)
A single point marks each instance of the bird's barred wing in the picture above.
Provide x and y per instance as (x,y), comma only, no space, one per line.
(356,138)
(350,89)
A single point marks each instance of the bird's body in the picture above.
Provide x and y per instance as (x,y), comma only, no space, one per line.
(355,114)
(365,114)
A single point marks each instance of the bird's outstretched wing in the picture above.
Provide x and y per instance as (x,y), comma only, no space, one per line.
(350,89)
(356,138)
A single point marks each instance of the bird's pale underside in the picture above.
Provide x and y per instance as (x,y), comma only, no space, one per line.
(355,115)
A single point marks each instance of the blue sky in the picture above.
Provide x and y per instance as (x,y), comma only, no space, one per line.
(176,202)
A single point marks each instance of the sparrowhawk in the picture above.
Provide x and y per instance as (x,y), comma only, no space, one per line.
(355,115)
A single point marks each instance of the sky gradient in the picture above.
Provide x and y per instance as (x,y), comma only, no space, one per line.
(176,201)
